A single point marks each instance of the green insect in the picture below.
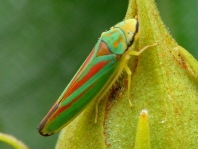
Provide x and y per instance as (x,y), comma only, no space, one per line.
(96,75)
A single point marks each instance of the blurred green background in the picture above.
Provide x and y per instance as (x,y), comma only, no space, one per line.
(43,43)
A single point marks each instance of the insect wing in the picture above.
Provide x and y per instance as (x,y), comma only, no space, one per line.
(92,78)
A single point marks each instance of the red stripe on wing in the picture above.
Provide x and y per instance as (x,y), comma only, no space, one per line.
(83,66)
(72,84)
(63,108)
(89,75)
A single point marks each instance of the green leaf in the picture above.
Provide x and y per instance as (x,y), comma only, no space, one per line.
(164,81)
(142,140)
(17,144)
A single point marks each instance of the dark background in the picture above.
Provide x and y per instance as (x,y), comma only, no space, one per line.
(43,43)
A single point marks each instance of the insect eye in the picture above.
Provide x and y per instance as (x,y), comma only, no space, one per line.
(129,37)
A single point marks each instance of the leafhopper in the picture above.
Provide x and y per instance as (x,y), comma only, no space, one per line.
(94,78)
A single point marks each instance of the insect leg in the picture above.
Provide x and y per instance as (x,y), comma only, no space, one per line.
(137,53)
(128,71)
